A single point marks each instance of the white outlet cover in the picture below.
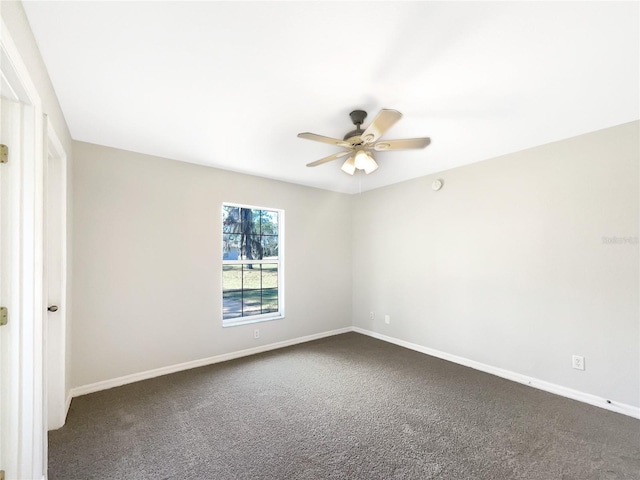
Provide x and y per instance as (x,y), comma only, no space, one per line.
(577,362)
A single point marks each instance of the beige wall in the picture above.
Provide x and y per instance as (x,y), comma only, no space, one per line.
(147,262)
(508,264)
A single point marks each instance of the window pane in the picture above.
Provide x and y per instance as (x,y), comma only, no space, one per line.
(230,219)
(251,293)
(269,222)
(250,221)
(269,287)
(231,291)
(251,247)
(269,275)
(270,246)
(230,246)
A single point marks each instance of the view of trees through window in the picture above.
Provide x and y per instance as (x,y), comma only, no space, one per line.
(250,269)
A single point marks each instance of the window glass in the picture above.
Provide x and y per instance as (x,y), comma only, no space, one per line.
(251,264)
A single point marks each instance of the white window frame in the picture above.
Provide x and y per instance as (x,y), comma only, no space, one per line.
(263,317)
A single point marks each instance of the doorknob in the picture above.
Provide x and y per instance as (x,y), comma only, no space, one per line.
(53,308)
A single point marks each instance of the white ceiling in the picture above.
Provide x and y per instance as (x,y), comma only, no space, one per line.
(231,84)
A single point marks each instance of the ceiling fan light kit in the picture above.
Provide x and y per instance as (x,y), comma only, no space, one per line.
(364,160)
(349,166)
(360,144)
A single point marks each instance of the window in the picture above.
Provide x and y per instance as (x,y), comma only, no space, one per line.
(252,264)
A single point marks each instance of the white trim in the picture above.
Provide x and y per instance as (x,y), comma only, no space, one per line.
(68,403)
(17,75)
(594,400)
(242,320)
(253,319)
(54,145)
(136,377)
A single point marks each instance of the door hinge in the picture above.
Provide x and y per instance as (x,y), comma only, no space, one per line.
(4,158)
(4,316)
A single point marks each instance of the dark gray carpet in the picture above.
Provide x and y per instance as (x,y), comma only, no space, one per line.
(344,407)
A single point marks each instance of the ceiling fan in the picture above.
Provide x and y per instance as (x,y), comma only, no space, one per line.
(359,143)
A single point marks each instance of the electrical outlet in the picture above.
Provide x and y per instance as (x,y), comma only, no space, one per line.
(577,362)
(256,333)
(372,316)
(387,319)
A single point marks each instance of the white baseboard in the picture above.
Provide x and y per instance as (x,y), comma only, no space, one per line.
(136,377)
(507,374)
(625,409)
(68,404)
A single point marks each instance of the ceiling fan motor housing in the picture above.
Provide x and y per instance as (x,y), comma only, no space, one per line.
(357,117)
(354,133)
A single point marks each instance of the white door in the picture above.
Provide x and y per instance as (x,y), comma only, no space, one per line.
(10,126)
(22,385)
(55,284)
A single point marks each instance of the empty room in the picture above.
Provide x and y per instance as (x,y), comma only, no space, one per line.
(320,240)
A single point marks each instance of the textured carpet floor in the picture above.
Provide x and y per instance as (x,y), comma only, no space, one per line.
(344,407)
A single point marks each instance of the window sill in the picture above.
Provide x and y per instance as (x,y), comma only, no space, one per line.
(250,320)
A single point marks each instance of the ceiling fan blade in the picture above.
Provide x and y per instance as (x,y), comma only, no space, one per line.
(408,143)
(383,122)
(335,156)
(323,139)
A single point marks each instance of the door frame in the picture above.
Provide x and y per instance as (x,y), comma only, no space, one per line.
(25,277)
